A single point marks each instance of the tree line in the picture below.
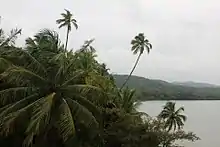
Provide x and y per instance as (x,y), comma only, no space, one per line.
(55,97)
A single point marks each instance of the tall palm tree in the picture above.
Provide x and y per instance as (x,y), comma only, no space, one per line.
(42,98)
(173,118)
(139,44)
(67,21)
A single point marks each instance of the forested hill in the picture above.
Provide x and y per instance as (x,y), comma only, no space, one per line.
(148,89)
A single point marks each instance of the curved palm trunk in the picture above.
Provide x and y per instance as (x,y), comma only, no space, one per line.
(67,38)
(131,71)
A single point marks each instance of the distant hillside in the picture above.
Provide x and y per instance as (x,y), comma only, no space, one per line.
(195,84)
(148,89)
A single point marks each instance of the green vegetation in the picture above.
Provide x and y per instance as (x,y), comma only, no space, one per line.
(53,97)
(147,89)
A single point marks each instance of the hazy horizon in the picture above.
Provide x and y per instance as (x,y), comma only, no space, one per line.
(184,33)
(197,82)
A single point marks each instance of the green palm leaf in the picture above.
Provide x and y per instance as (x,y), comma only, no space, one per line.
(21,76)
(11,95)
(82,113)
(4,111)
(65,123)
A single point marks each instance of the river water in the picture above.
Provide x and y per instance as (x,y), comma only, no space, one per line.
(203,118)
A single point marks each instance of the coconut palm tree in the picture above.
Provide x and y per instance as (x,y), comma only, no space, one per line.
(173,118)
(139,44)
(67,21)
(45,98)
(128,99)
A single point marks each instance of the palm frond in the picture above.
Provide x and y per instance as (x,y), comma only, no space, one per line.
(181,109)
(28,141)
(59,21)
(8,121)
(41,112)
(73,20)
(60,60)
(64,15)
(65,125)
(179,122)
(4,64)
(62,25)
(23,77)
(89,105)
(75,25)
(22,58)
(81,113)
(183,117)
(11,95)
(4,111)
(40,118)
(80,88)
(136,51)
(150,45)
(75,77)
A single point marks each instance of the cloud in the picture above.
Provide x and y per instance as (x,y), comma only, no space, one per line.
(185,34)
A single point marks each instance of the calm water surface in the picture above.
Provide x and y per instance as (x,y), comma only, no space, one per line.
(203,118)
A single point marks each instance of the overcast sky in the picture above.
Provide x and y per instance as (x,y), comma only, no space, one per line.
(185,33)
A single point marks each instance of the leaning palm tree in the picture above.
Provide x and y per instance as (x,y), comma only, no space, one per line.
(139,44)
(67,21)
(173,118)
(44,97)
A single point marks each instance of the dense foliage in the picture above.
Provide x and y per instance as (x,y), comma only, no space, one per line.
(160,90)
(51,96)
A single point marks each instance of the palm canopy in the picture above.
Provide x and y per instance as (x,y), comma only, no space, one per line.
(67,20)
(173,118)
(42,98)
(46,41)
(140,43)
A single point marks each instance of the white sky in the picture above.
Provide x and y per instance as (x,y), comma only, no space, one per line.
(185,33)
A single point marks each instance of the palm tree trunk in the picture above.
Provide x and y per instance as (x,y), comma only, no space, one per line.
(131,71)
(67,38)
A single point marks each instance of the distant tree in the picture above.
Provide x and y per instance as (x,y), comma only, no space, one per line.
(66,21)
(139,44)
(173,118)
